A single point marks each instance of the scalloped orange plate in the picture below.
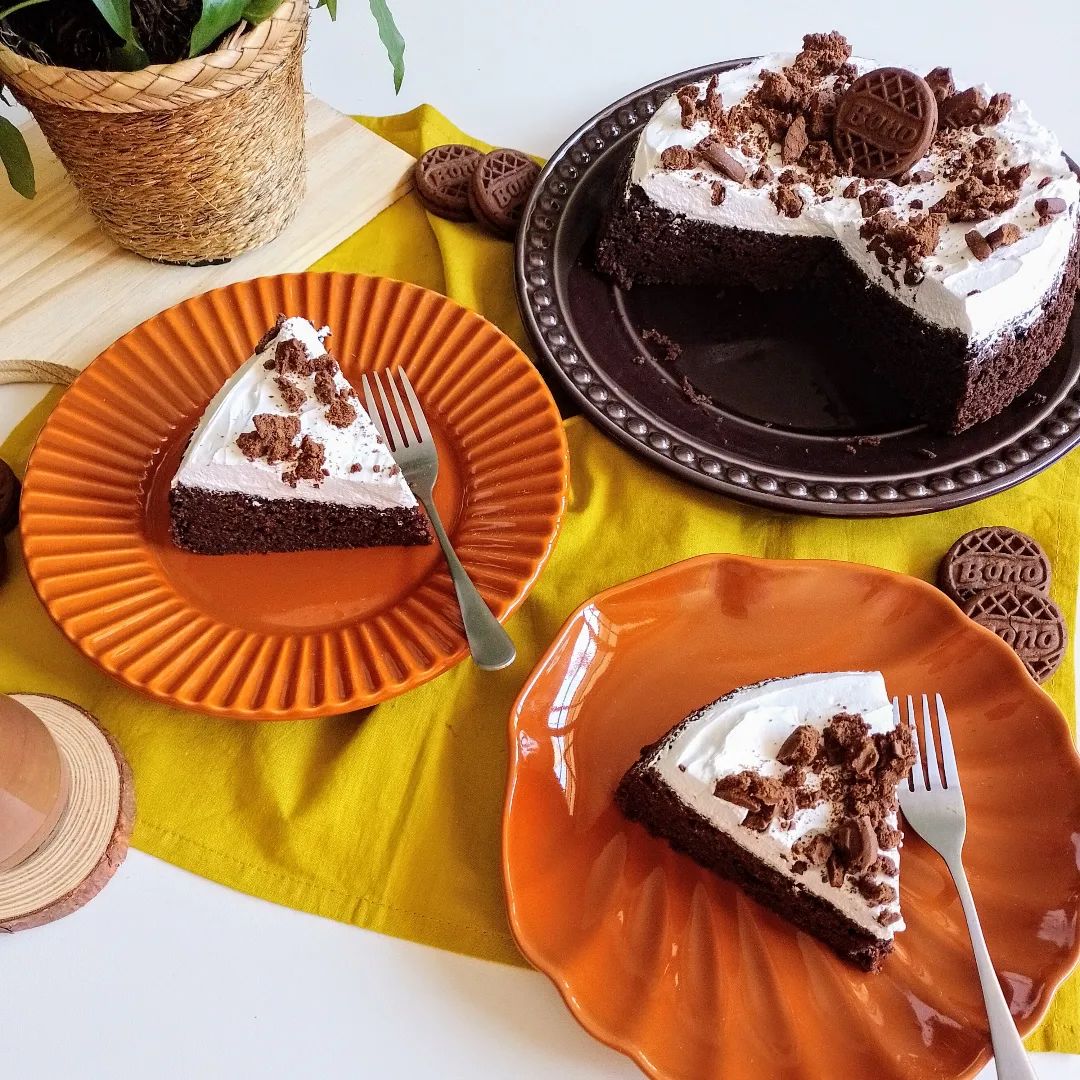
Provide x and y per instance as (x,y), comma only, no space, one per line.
(677,968)
(285,636)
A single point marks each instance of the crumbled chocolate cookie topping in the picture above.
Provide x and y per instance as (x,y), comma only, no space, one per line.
(325,388)
(795,142)
(764,798)
(308,462)
(761,176)
(983,193)
(787,200)
(965,109)
(291,394)
(272,438)
(900,246)
(875,199)
(801,747)
(719,192)
(940,80)
(291,358)
(341,412)
(1003,236)
(858,773)
(675,157)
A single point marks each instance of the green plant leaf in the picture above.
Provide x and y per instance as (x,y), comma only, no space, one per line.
(217,17)
(331,6)
(18,7)
(389,34)
(117,13)
(16,159)
(129,57)
(258,11)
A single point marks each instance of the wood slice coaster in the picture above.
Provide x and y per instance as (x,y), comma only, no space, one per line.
(90,839)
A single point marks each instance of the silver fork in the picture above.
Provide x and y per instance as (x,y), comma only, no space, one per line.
(413,448)
(934,808)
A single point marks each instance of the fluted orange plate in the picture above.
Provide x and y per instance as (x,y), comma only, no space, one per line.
(679,969)
(275,637)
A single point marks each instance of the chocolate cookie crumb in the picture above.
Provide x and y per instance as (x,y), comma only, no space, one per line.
(795,141)
(719,192)
(291,394)
(309,462)
(1003,236)
(272,438)
(787,201)
(675,157)
(671,351)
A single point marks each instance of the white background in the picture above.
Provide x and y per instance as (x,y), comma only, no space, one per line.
(166,975)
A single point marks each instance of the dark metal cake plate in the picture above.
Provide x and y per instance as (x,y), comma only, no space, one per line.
(771,417)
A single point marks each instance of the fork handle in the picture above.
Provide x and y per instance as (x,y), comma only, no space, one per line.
(1010,1058)
(489,643)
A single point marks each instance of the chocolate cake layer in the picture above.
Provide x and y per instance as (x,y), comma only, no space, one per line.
(944,381)
(226,523)
(644,797)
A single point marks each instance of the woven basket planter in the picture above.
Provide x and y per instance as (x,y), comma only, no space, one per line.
(192,162)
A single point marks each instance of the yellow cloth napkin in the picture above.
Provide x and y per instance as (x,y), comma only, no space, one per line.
(391,820)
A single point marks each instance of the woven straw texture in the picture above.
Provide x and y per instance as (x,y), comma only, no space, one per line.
(192,162)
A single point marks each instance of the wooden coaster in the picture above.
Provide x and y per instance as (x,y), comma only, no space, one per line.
(90,839)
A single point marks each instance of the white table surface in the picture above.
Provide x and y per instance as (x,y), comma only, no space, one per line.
(167,975)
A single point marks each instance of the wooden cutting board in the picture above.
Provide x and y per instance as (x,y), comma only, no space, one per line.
(66,292)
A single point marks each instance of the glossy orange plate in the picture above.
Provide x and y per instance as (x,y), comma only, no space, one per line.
(677,968)
(275,637)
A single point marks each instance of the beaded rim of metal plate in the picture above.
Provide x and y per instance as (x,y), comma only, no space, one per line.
(1048,433)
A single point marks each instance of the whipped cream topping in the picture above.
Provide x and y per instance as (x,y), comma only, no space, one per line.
(745,730)
(360,470)
(979,299)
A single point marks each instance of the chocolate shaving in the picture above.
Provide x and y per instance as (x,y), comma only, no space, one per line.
(711,150)
(977,244)
(1049,208)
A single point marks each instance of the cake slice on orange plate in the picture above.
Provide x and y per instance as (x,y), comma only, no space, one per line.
(788,788)
(286,459)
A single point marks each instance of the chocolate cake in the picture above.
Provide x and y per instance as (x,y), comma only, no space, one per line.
(286,459)
(788,788)
(935,230)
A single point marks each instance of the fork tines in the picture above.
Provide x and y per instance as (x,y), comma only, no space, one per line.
(400,426)
(930,778)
